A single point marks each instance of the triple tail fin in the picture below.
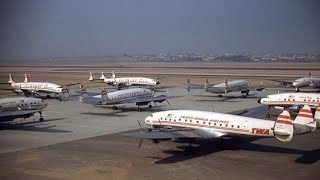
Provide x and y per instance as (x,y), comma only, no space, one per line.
(317,116)
(188,85)
(102,76)
(283,127)
(226,84)
(25,78)
(304,120)
(10,79)
(206,84)
(84,93)
(91,77)
(104,95)
(113,74)
(65,94)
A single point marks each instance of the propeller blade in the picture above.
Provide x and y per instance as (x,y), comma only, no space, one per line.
(140,125)
(140,142)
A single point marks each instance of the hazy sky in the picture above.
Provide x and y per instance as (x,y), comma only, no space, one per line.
(36,28)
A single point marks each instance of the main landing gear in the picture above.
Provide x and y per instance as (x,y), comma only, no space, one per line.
(114,107)
(220,95)
(41,117)
(268,112)
(139,109)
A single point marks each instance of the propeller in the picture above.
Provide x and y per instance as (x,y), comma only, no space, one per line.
(141,140)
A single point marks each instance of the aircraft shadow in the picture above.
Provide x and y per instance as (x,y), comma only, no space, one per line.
(113,114)
(33,126)
(204,148)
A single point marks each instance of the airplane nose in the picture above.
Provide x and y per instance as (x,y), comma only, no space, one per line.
(148,119)
(295,84)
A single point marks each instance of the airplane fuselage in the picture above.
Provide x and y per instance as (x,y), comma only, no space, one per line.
(212,124)
(307,82)
(131,81)
(233,86)
(37,87)
(291,99)
(118,97)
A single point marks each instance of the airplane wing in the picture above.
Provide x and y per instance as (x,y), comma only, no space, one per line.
(195,86)
(282,82)
(18,113)
(177,133)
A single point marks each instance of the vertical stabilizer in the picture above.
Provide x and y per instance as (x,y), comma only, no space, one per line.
(113,74)
(304,121)
(102,76)
(283,127)
(10,79)
(226,85)
(84,93)
(65,94)
(104,96)
(91,77)
(317,116)
(206,84)
(25,78)
(188,85)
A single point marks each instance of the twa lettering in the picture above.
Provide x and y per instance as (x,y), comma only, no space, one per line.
(260,131)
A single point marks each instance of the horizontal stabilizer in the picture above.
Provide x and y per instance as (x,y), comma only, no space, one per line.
(283,127)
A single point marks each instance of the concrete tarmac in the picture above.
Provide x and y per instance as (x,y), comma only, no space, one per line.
(79,141)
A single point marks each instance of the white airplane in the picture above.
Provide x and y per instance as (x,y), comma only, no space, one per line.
(138,96)
(21,107)
(313,82)
(33,88)
(190,124)
(125,82)
(293,101)
(241,86)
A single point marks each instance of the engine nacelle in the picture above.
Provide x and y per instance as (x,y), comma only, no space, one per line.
(295,108)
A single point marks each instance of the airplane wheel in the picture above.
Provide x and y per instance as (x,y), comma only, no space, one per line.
(220,96)
(139,109)
(268,116)
(48,96)
(150,106)
(115,107)
(41,119)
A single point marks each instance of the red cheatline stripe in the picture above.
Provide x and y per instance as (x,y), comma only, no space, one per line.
(284,122)
(305,115)
(305,110)
(284,116)
(318,109)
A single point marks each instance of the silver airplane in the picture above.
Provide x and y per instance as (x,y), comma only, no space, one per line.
(241,86)
(33,88)
(21,107)
(313,82)
(138,96)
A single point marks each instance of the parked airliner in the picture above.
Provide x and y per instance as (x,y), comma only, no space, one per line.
(21,107)
(241,86)
(313,82)
(33,88)
(293,101)
(137,96)
(125,82)
(190,124)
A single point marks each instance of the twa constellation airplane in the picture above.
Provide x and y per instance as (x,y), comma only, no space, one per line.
(293,101)
(138,96)
(125,82)
(33,88)
(241,86)
(189,124)
(21,107)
